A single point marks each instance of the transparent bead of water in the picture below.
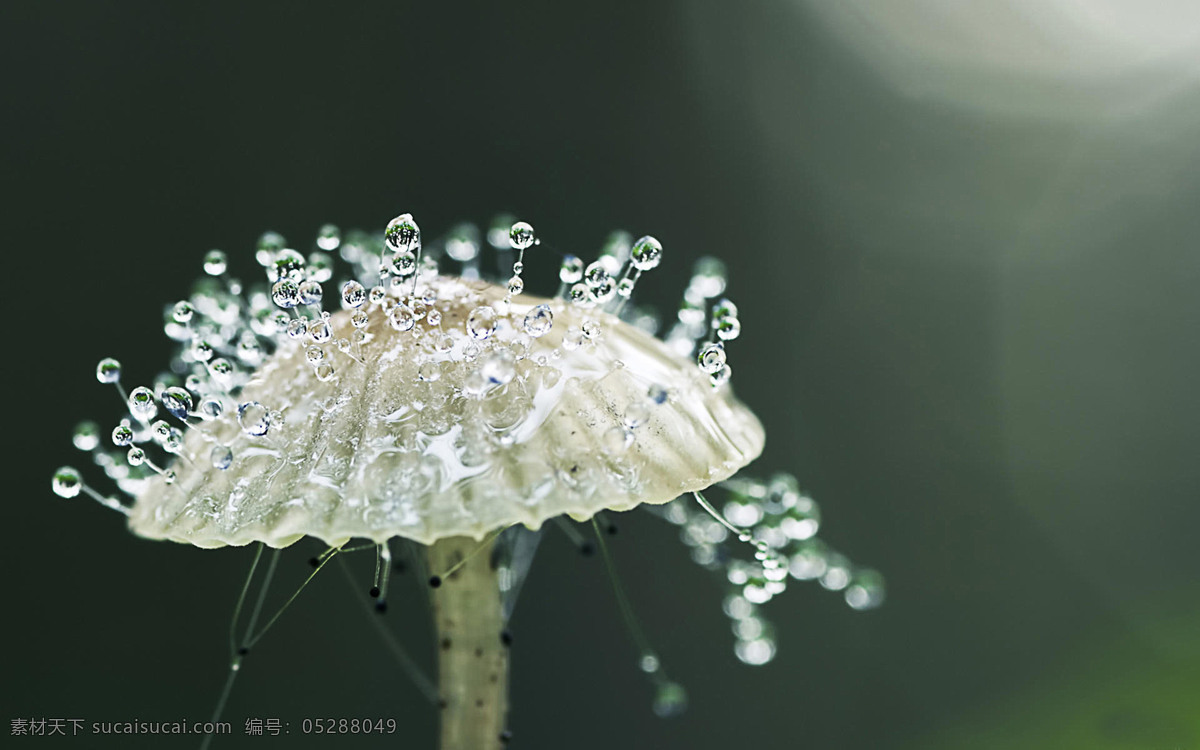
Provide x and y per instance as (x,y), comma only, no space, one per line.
(297,327)
(571,270)
(724,308)
(136,456)
(481,323)
(377,295)
(359,319)
(579,293)
(538,321)
(201,350)
(122,435)
(329,237)
(325,372)
(108,370)
(67,482)
(721,377)
(211,408)
(708,277)
(404,263)
(402,317)
(520,236)
(221,369)
(755,652)
(728,329)
(314,355)
(591,330)
(320,331)
(310,293)
(286,294)
(711,358)
(215,263)
(86,436)
(603,291)
(141,403)
(463,243)
(221,457)
(670,700)
(429,371)
(172,442)
(649,663)
(433,317)
(515,285)
(270,242)
(178,402)
(657,394)
(183,311)
(288,264)
(354,295)
(254,418)
(625,288)
(444,344)
(402,233)
(866,590)
(636,415)
(646,253)
(616,440)
(498,367)
(596,275)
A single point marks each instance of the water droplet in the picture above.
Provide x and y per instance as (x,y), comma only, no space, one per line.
(728,329)
(221,369)
(314,355)
(579,293)
(404,264)
(285,294)
(711,358)
(254,418)
(297,327)
(646,254)
(866,590)
(320,331)
(657,394)
(201,350)
(433,317)
(616,440)
(270,242)
(498,367)
(211,408)
(591,330)
(67,482)
(402,317)
(670,700)
(354,295)
(429,371)
(183,311)
(649,663)
(310,293)
(603,291)
(463,244)
(122,435)
(287,265)
(597,275)
(329,237)
(571,270)
(636,415)
(538,321)
(402,233)
(625,288)
(325,372)
(755,652)
(708,277)
(86,436)
(481,323)
(359,319)
(215,263)
(572,339)
(221,457)
(108,370)
(721,377)
(515,285)
(141,403)
(136,456)
(377,295)
(178,402)
(520,236)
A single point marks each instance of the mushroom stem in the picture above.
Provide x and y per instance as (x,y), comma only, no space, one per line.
(472,658)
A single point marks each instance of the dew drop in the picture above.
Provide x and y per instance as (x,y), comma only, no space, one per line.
(402,233)
(136,456)
(433,317)
(670,700)
(520,236)
(287,265)
(616,440)
(178,402)
(359,319)
(579,293)
(728,329)
(310,293)
(657,394)
(866,590)
(404,264)
(571,270)
(314,355)
(538,321)
(402,317)
(597,275)
(711,358)
(320,331)
(649,663)
(297,327)
(183,311)
(67,482)
(329,237)
(86,436)
(354,295)
(141,403)
(572,339)
(325,372)
(221,457)
(108,370)
(201,350)
(285,294)
(481,323)
(377,295)
(721,377)
(211,408)
(215,263)
(646,254)
(254,418)
(498,367)
(122,436)
(515,285)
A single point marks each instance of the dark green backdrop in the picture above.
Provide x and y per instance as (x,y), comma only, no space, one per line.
(971,333)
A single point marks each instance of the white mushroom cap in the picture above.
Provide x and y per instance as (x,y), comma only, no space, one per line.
(426,443)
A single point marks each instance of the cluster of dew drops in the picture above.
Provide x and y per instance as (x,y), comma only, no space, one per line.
(781,523)
(226,330)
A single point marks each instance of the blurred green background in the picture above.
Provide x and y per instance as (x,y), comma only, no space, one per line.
(963,244)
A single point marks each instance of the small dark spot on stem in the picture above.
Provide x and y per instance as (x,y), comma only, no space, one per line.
(446,644)
(587,549)
(478,653)
(479,703)
(243,651)
(435,581)
(506,736)
(381,607)
(506,637)
(374,592)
